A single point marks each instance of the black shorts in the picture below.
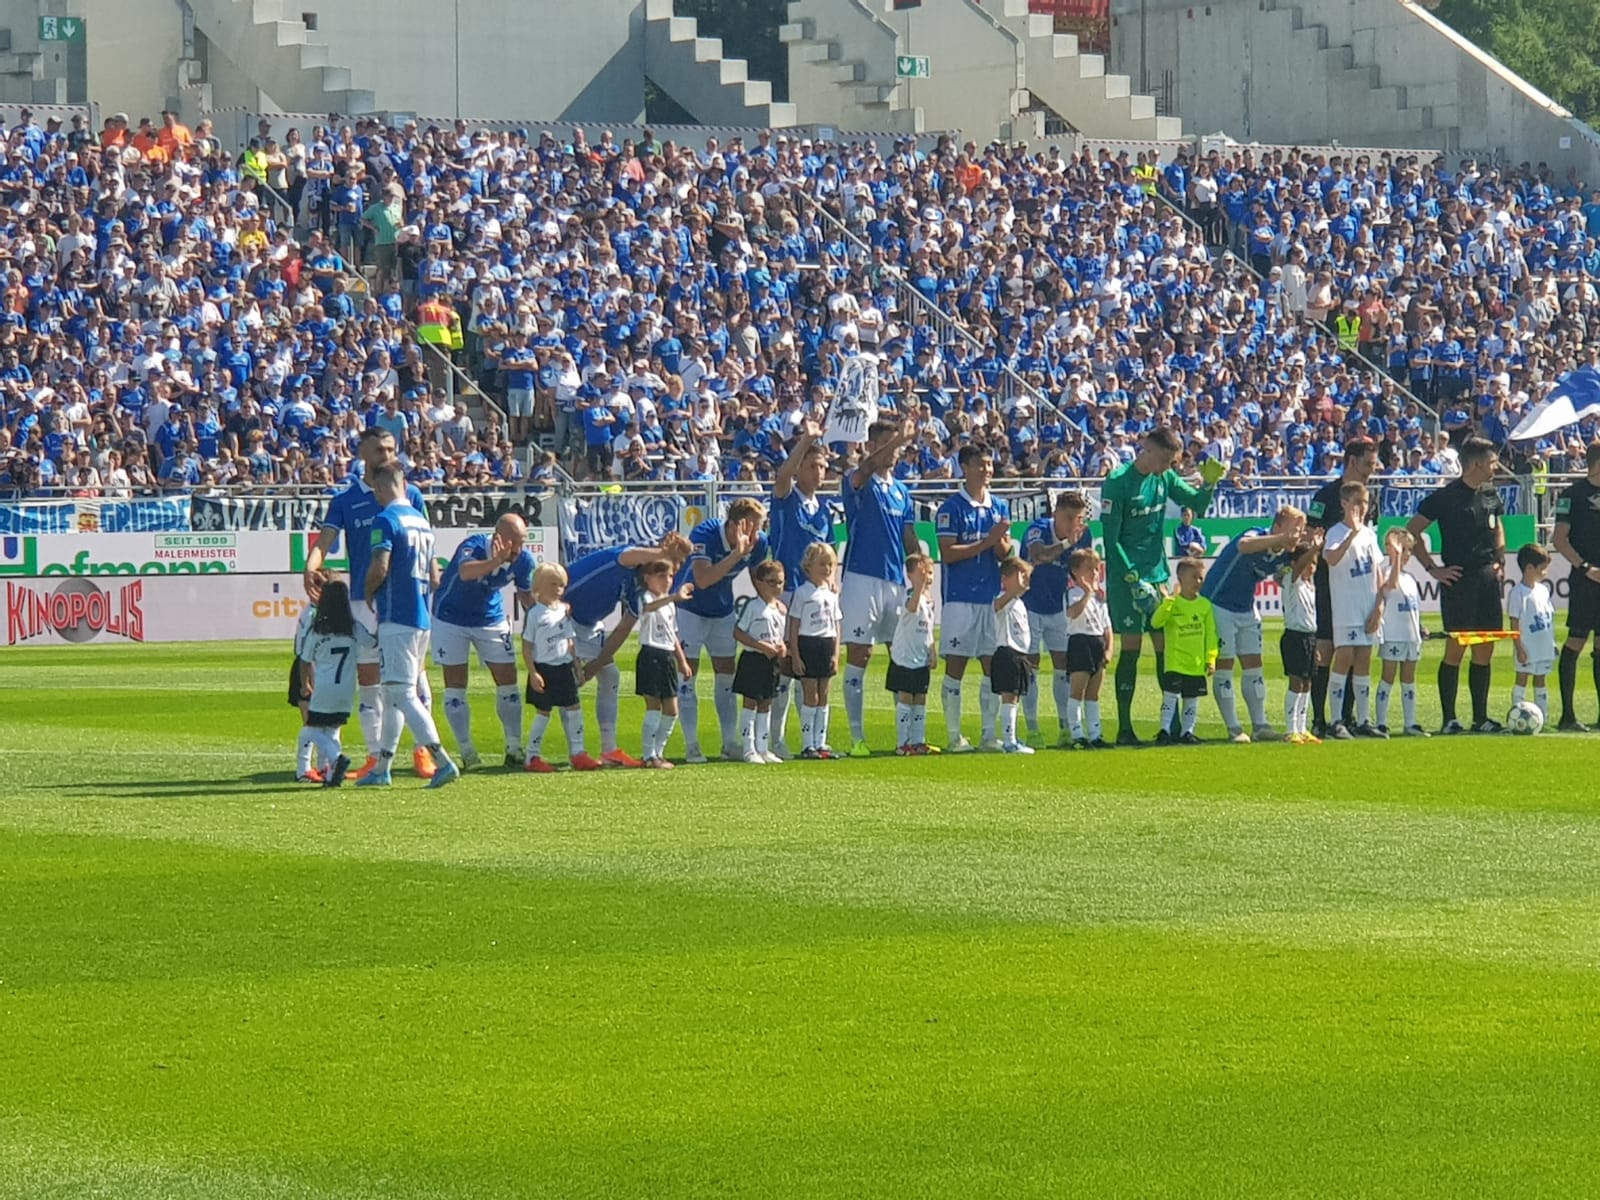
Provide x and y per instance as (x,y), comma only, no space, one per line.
(655,673)
(1009,673)
(1472,602)
(911,680)
(1324,604)
(1298,649)
(819,657)
(560,686)
(600,458)
(1190,687)
(1583,605)
(1086,654)
(297,687)
(756,676)
(327,720)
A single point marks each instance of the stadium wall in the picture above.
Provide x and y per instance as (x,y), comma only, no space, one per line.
(1362,72)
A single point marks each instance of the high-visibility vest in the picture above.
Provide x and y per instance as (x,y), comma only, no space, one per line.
(1541,475)
(1146,176)
(433,323)
(255,165)
(1349,331)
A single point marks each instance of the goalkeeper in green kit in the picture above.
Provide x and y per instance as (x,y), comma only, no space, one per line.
(1133,513)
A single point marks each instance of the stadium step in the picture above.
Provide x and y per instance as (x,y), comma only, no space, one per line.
(694,71)
(280,56)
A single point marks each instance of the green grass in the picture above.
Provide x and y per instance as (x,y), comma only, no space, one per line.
(1350,970)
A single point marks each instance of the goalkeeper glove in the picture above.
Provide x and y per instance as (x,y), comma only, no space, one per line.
(1212,470)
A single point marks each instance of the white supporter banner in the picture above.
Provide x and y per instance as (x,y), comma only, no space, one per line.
(855,401)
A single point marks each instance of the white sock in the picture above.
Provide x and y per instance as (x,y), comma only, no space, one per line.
(1408,703)
(855,701)
(1336,689)
(1541,697)
(1169,709)
(780,711)
(1007,715)
(689,714)
(1254,681)
(418,719)
(1191,713)
(1303,712)
(727,708)
(669,721)
(608,689)
(747,730)
(919,724)
(424,691)
(647,733)
(1075,718)
(808,727)
(1291,705)
(458,715)
(902,723)
(394,720)
(1519,693)
(763,732)
(1222,690)
(950,699)
(1363,700)
(1091,720)
(371,715)
(541,722)
(328,742)
(988,711)
(1030,709)
(572,722)
(508,707)
(1385,690)
(1061,689)
(821,719)
(302,750)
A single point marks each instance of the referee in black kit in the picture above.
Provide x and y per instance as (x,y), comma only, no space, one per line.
(1472,544)
(1326,511)
(1578,541)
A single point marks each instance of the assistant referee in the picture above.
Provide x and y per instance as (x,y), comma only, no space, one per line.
(1472,545)
(1326,511)
(1577,539)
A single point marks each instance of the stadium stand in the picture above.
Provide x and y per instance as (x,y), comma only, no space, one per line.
(651,311)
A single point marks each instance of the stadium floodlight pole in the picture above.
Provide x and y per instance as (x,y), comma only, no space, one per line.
(458,60)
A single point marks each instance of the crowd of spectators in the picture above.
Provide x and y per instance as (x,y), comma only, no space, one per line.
(178,314)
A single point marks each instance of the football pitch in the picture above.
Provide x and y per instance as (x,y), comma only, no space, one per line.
(1365,969)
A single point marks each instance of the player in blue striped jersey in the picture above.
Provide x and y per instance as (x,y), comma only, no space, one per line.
(797,519)
(400,581)
(974,530)
(351,512)
(1230,585)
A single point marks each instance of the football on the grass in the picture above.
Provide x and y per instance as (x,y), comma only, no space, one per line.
(1525,718)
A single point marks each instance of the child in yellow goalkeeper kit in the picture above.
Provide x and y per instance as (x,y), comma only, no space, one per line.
(1190,624)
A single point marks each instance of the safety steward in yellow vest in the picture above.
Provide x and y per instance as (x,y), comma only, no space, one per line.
(439,325)
(1145,175)
(1347,327)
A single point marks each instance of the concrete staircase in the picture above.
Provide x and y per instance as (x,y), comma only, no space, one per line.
(22,78)
(841,68)
(692,70)
(1076,84)
(1354,81)
(279,56)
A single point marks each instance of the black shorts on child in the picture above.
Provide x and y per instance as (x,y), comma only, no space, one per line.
(1299,651)
(911,680)
(1190,687)
(819,656)
(655,673)
(1009,673)
(756,677)
(560,686)
(319,720)
(297,687)
(1086,654)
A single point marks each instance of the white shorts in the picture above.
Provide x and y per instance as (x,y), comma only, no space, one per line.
(1352,635)
(453,644)
(519,402)
(1400,652)
(715,634)
(588,643)
(870,609)
(967,630)
(366,633)
(402,653)
(1047,631)
(1238,634)
(1535,666)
